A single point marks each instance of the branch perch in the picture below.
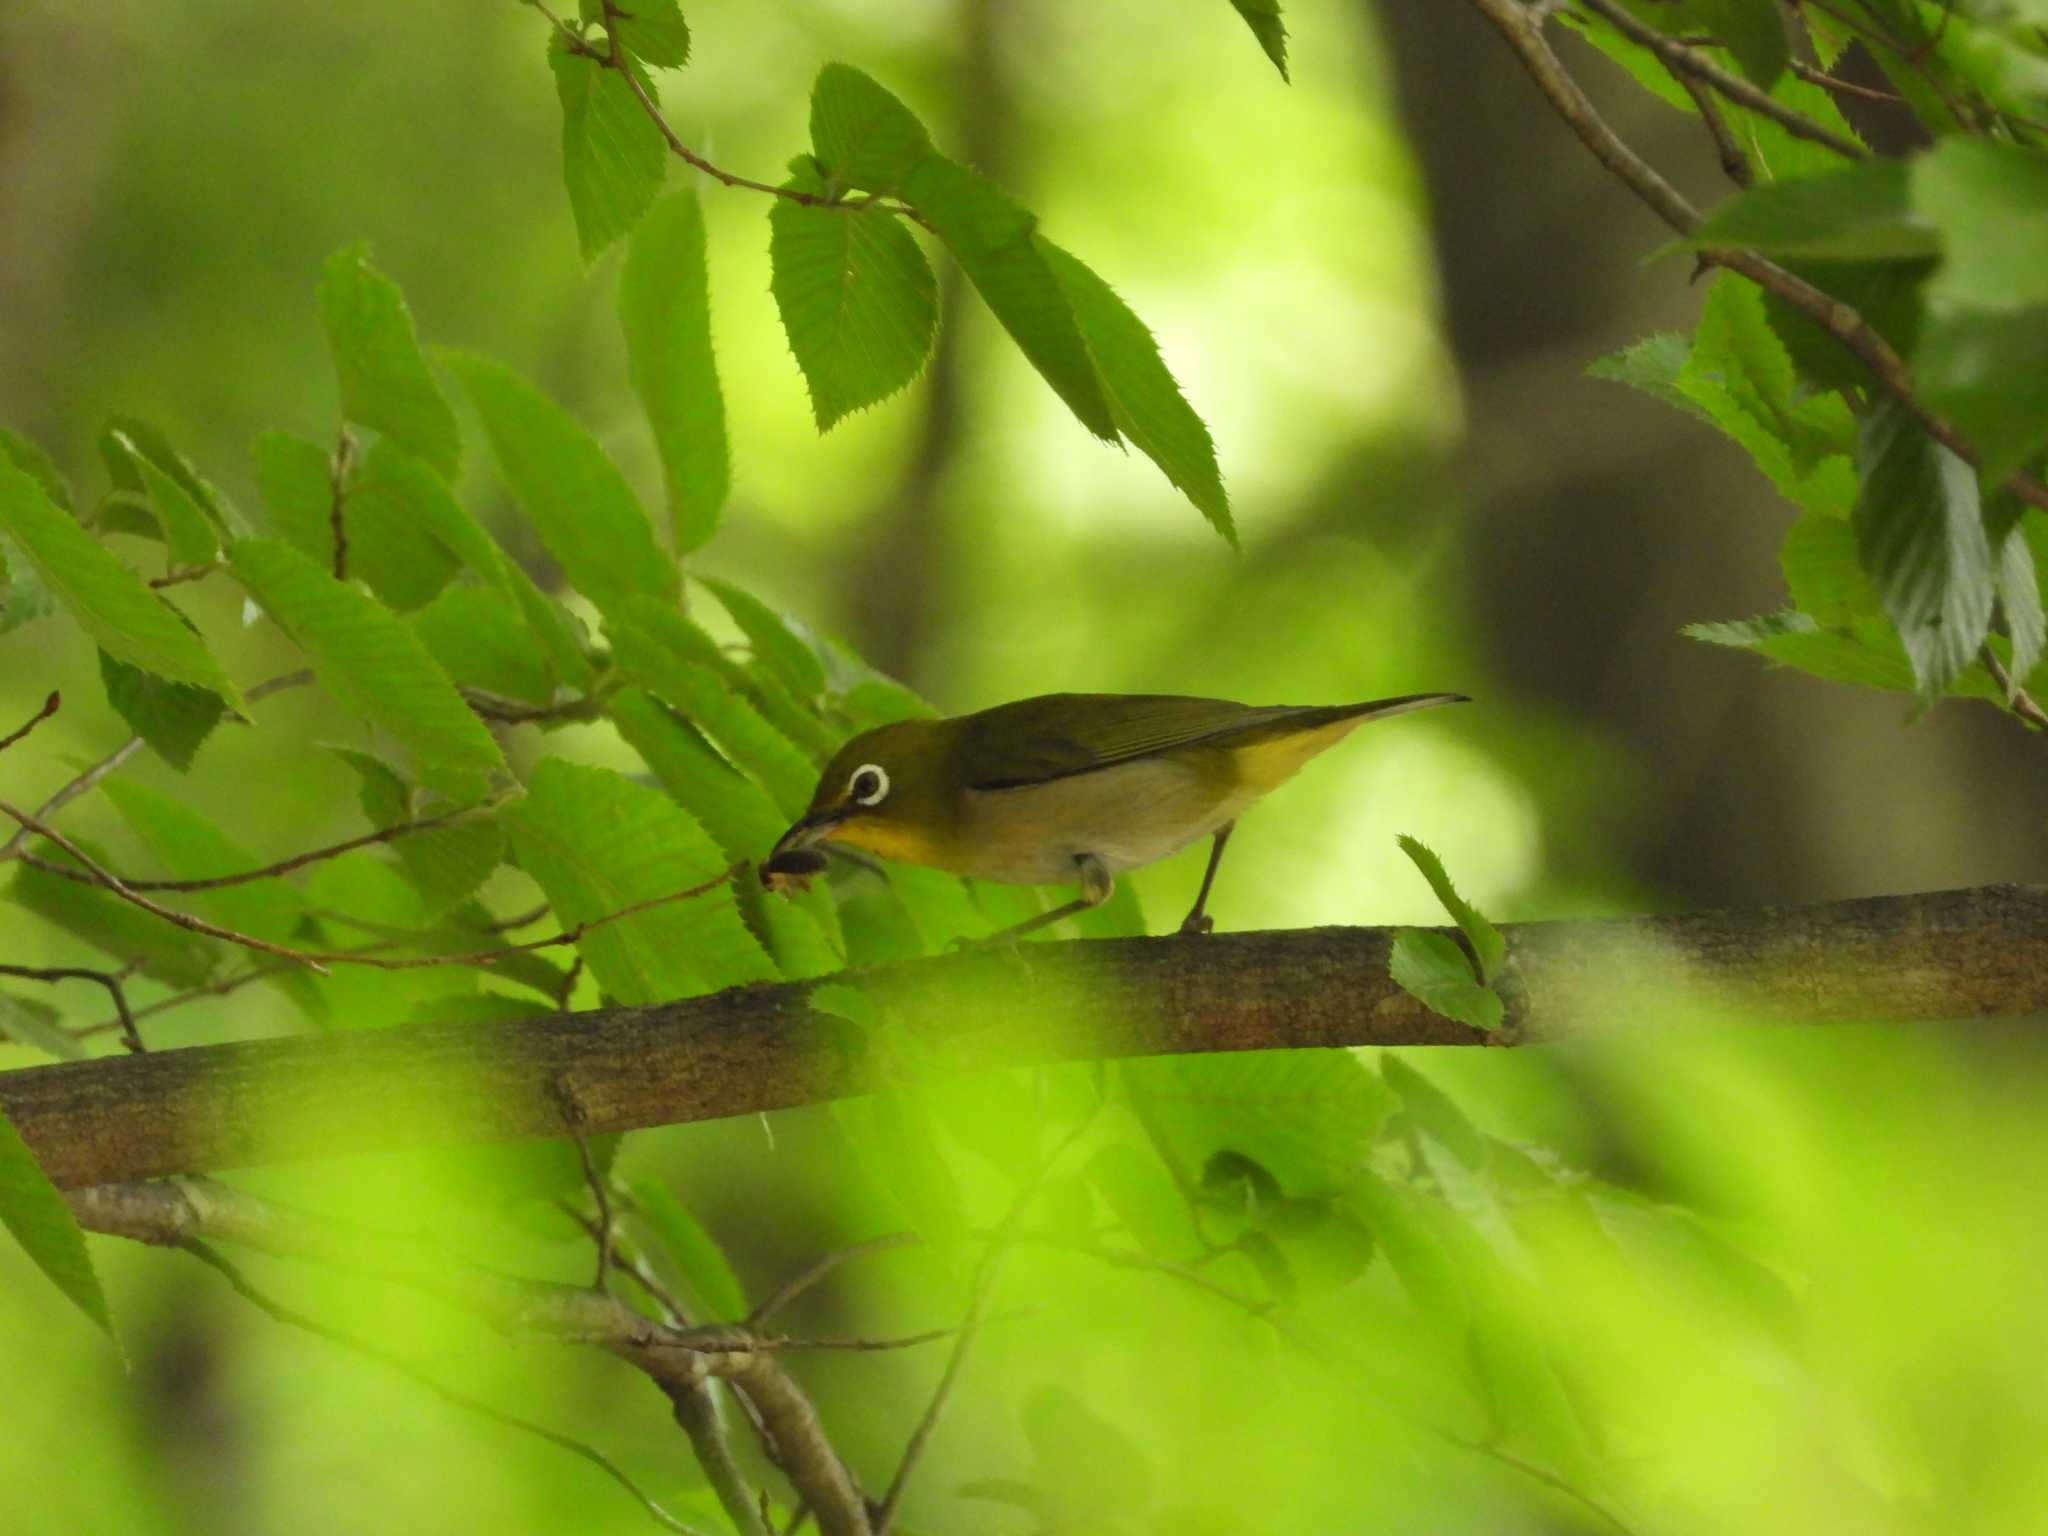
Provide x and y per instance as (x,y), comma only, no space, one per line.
(1949,955)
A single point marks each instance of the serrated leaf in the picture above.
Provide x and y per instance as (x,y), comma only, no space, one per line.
(775,644)
(582,507)
(857,299)
(187,846)
(1143,396)
(1865,653)
(665,311)
(1989,201)
(188,533)
(113,604)
(482,640)
(1434,971)
(141,442)
(654,32)
(36,1025)
(613,157)
(863,135)
(378,367)
(29,456)
(1652,365)
(1860,213)
(97,917)
(730,806)
(42,1223)
(23,597)
(597,844)
(712,1289)
(1263,17)
(1487,944)
(1920,531)
(2019,599)
(1824,574)
(294,478)
(173,718)
(990,237)
(1754,33)
(373,665)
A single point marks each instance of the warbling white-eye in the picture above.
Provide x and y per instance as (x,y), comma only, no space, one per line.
(1067,788)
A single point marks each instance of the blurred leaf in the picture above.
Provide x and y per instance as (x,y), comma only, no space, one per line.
(1986,371)
(1889,296)
(479,636)
(42,1223)
(598,844)
(1144,399)
(173,718)
(774,642)
(1431,1111)
(37,1025)
(1430,968)
(1323,1247)
(1754,32)
(1860,213)
(665,312)
(1263,17)
(1089,1468)
(1989,201)
(113,604)
(23,597)
(1403,1229)
(378,368)
(695,1255)
(1487,944)
(97,917)
(2019,598)
(584,510)
(1921,533)
(857,298)
(896,1138)
(1134,1183)
(864,136)
(613,157)
(188,533)
(28,456)
(373,665)
(654,32)
(990,236)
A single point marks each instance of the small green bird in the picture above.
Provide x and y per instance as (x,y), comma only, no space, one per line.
(1070,787)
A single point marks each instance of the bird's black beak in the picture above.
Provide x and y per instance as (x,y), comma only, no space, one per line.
(796,850)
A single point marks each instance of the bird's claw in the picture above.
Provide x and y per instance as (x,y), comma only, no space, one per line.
(1198,922)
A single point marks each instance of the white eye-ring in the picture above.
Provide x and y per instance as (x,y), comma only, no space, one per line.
(868,786)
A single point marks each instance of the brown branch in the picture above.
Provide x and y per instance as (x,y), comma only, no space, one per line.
(1521,26)
(1734,163)
(1952,955)
(51,705)
(189,573)
(125,1022)
(1675,56)
(2017,699)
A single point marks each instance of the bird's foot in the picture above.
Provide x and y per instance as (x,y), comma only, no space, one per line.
(1198,922)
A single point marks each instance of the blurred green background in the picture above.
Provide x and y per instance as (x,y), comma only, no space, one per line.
(1379,286)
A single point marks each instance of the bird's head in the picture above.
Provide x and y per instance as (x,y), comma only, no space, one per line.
(888,791)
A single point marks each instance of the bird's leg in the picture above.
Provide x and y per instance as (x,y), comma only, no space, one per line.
(1198,921)
(1096,884)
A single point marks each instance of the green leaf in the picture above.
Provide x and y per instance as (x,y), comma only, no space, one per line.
(857,299)
(654,32)
(37,1025)
(597,844)
(734,809)
(1263,17)
(1866,654)
(1487,944)
(480,637)
(1861,213)
(1986,371)
(188,533)
(665,311)
(1431,1110)
(1989,201)
(378,368)
(1134,1183)
(711,1288)
(443,864)
(990,236)
(128,442)
(112,603)
(1143,396)
(190,847)
(1920,530)
(372,663)
(293,476)
(42,1223)
(2019,598)
(1754,32)
(173,718)
(1435,972)
(1654,366)
(1825,575)
(864,136)
(585,512)
(775,644)
(613,157)
(97,917)
(23,597)
(896,1139)
(25,455)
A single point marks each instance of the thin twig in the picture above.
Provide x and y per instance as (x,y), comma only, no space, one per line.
(338,466)
(632,1266)
(822,1266)
(51,705)
(1734,163)
(189,573)
(291,1318)
(493,706)
(131,1036)
(599,1194)
(2017,699)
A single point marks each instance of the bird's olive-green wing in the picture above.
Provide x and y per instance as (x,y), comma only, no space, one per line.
(1063,734)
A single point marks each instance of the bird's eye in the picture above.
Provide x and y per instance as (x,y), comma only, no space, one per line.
(868,785)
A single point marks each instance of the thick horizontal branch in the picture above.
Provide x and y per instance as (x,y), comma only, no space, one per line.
(1946,955)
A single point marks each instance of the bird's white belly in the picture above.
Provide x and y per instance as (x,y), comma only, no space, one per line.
(1126,816)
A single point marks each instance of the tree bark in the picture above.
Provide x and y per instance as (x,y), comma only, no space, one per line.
(1949,955)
